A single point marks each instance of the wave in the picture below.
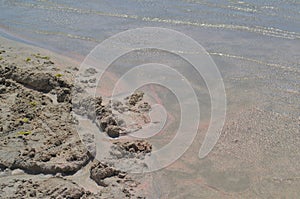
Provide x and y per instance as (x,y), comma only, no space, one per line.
(267,31)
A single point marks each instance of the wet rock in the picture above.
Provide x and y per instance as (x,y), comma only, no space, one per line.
(33,120)
(93,80)
(102,111)
(38,135)
(7,71)
(50,188)
(107,121)
(88,106)
(120,107)
(113,131)
(39,81)
(63,95)
(145,106)
(135,146)
(112,122)
(43,82)
(100,171)
(89,72)
(135,98)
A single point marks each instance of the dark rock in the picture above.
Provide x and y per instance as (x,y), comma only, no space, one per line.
(113,131)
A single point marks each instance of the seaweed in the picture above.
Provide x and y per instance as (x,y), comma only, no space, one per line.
(59,75)
(33,103)
(24,133)
(24,120)
(38,55)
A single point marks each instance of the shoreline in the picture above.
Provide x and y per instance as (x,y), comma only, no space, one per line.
(27,46)
(8,36)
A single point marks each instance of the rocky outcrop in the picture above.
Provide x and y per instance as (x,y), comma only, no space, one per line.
(40,150)
(36,134)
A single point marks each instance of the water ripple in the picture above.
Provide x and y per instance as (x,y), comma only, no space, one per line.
(267,31)
(274,65)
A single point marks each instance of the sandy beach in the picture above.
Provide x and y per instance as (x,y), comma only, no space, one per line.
(62,136)
(42,155)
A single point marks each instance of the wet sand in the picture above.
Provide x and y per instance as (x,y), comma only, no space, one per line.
(257,155)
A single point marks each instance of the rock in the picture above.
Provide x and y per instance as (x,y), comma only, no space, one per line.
(135,98)
(113,131)
(2,80)
(38,135)
(122,175)
(2,89)
(49,62)
(17,172)
(90,71)
(45,157)
(63,95)
(50,188)
(145,106)
(135,146)
(107,121)
(43,82)
(100,171)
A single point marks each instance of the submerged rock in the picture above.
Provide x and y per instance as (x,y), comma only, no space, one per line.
(135,98)
(135,146)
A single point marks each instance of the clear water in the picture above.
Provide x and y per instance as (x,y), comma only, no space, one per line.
(255,44)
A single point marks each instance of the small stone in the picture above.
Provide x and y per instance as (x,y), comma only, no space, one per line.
(113,131)
(122,175)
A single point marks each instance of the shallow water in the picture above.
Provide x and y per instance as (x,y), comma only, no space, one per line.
(243,37)
(254,43)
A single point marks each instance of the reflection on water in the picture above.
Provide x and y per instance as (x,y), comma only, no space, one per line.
(255,44)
